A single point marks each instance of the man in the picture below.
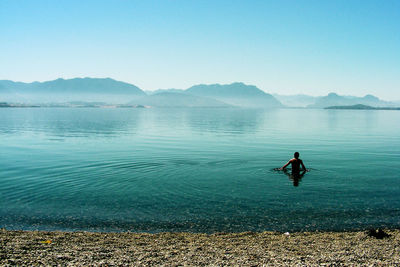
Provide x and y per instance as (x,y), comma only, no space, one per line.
(296,162)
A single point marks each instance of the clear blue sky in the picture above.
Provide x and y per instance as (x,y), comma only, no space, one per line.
(286,47)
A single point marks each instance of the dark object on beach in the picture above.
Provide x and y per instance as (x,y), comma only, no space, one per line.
(380,234)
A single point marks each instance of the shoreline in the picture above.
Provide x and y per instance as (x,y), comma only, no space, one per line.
(198,249)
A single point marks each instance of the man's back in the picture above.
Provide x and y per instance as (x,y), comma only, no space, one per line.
(295,164)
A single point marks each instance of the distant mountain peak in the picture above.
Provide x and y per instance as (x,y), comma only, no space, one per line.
(240,84)
(371,97)
(333,94)
(237,94)
(236,88)
(170,90)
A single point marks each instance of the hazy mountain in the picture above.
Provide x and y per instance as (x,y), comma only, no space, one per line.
(61,90)
(299,100)
(334,99)
(168,99)
(76,85)
(236,94)
(215,95)
(172,90)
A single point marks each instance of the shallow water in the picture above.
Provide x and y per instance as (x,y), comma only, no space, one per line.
(199,170)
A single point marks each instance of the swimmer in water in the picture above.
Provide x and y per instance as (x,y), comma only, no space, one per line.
(296,162)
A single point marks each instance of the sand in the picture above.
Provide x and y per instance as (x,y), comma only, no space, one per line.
(190,249)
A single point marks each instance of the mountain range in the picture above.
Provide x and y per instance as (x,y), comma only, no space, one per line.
(214,95)
(236,94)
(332,99)
(115,92)
(76,85)
(65,90)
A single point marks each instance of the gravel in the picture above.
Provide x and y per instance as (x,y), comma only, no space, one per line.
(192,249)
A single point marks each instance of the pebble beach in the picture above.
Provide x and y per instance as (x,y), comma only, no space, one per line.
(32,248)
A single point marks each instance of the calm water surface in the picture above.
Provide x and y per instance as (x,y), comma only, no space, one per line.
(199,170)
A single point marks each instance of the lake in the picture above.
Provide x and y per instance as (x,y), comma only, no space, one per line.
(198,170)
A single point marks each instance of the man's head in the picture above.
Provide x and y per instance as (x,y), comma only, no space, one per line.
(296,155)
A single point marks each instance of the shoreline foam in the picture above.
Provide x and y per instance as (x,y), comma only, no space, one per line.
(193,249)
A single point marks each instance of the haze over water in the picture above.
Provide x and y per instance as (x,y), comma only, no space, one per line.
(200,170)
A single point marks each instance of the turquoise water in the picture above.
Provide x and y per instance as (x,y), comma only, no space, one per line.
(198,170)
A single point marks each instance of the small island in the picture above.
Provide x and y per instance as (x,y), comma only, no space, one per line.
(4,104)
(362,107)
(9,105)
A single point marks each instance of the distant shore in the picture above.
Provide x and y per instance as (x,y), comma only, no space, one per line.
(190,249)
(362,107)
(70,105)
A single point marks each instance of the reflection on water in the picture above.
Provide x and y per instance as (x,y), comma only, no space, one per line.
(295,176)
(232,121)
(196,170)
(85,122)
(67,122)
